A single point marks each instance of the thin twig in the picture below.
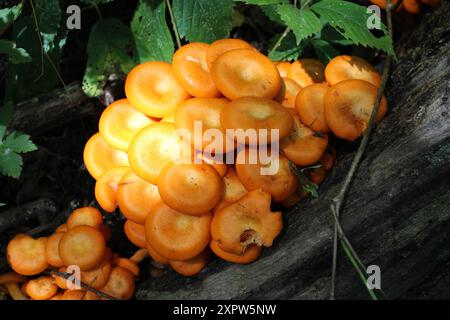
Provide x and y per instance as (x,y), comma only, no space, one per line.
(39,38)
(67,276)
(174,24)
(340,198)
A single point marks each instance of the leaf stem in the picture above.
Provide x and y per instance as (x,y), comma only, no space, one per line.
(338,201)
(174,25)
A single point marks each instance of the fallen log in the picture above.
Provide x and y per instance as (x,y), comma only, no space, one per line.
(397,213)
(53,110)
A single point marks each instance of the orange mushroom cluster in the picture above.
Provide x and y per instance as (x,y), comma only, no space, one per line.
(78,245)
(180,211)
(410,6)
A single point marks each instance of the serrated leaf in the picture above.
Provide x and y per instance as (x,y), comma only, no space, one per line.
(203,20)
(10,163)
(350,20)
(324,50)
(9,15)
(271,12)
(304,23)
(109,50)
(333,36)
(288,49)
(16,55)
(19,143)
(151,33)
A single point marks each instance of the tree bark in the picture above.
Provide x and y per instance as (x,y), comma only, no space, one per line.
(397,213)
(52,110)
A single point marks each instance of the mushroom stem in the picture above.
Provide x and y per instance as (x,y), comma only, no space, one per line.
(14,291)
(139,255)
(11,277)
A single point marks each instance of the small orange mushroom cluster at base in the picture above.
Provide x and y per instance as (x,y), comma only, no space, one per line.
(78,245)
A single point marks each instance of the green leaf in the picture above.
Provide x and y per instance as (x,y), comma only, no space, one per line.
(19,143)
(271,12)
(9,15)
(109,50)
(312,189)
(10,163)
(324,50)
(288,49)
(151,33)
(350,20)
(203,20)
(16,55)
(2,204)
(303,22)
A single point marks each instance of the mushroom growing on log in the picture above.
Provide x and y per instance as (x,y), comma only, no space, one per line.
(397,213)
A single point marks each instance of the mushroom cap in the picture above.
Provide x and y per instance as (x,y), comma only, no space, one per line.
(346,67)
(82,246)
(128,265)
(348,106)
(52,250)
(205,111)
(283,67)
(306,72)
(155,255)
(246,72)
(153,89)
(280,184)
(175,235)
(26,255)
(119,122)
(309,105)
(247,221)
(42,288)
(120,284)
(152,148)
(219,47)
(288,93)
(135,197)
(252,253)
(257,114)
(191,267)
(85,216)
(99,275)
(106,188)
(190,188)
(135,233)
(234,189)
(304,146)
(99,157)
(192,71)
